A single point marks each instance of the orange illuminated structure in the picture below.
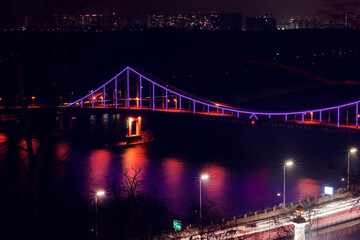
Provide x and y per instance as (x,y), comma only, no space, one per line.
(134,127)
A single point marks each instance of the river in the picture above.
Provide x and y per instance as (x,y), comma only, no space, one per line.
(244,162)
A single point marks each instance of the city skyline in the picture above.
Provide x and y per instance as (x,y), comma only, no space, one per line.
(281,9)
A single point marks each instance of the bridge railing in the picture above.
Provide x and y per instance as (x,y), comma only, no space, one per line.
(130,89)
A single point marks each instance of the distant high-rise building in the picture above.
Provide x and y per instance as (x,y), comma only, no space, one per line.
(27,22)
(300,23)
(91,20)
(231,21)
(350,20)
(263,22)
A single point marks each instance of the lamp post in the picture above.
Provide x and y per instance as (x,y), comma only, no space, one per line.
(287,163)
(352,150)
(33,100)
(203,177)
(98,194)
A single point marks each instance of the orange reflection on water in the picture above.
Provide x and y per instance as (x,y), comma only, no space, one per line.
(62,151)
(308,187)
(61,156)
(214,187)
(99,164)
(135,158)
(173,179)
(3,145)
(23,154)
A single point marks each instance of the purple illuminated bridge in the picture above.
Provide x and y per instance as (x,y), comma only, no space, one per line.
(131,90)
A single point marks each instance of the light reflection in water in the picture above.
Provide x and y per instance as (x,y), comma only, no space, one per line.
(3,145)
(174,174)
(214,188)
(133,159)
(61,150)
(23,154)
(99,164)
(177,180)
(61,157)
(307,187)
(256,184)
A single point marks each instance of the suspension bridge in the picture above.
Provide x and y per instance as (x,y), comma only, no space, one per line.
(132,90)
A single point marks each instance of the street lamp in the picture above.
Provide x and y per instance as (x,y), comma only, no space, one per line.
(98,194)
(33,100)
(203,177)
(352,150)
(287,163)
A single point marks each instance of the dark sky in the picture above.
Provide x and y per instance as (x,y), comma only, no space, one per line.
(138,8)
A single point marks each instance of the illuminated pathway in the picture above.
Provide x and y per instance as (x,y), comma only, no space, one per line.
(131,90)
(320,217)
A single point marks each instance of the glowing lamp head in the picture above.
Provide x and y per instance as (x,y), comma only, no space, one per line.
(252,122)
(353,150)
(100,193)
(131,119)
(216,104)
(279,194)
(299,210)
(137,99)
(205,176)
(32,97)
(289,163)
(94,98)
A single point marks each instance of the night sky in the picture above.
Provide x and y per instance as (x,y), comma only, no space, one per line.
(139,8)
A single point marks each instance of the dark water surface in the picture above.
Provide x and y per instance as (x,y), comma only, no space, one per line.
(244,163)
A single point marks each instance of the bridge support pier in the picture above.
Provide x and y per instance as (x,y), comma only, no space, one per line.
(65,122)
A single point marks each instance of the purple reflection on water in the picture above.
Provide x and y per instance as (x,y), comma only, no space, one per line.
(175,179)
(307,187)
(134,159)
(98,169)
(256,184)
(173,176)
(214,188)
